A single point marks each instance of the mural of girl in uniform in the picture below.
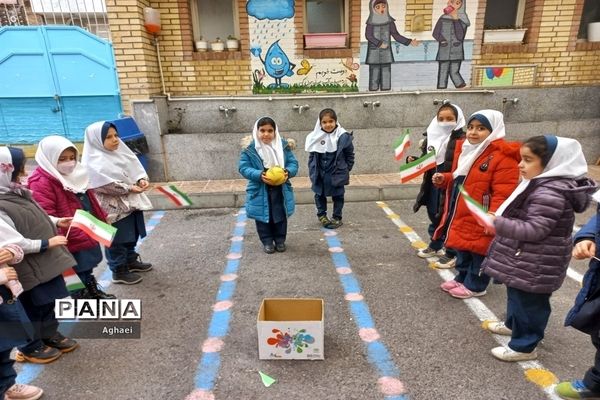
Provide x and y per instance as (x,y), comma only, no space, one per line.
(379,32)
(450,31)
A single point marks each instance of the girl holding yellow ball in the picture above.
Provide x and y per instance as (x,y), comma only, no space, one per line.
(267,162)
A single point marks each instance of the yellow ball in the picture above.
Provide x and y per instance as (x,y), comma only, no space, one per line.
(276,175)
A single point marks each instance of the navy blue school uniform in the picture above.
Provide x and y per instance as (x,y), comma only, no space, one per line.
(329,173)
(129,230)
(585,317)
(86,259)
(15,330)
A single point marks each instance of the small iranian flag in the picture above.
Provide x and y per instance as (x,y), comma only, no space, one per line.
(173,193)
(401,144)
(477,210)
(419,166)
(100,231)
(72,280)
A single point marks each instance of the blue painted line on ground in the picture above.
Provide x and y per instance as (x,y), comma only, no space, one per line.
(377,353)
(210,362)
(30,372)
(219,323)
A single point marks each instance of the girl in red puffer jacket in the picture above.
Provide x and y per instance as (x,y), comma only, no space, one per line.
(487,167)
(59,185)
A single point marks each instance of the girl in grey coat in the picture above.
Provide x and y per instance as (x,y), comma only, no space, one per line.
(450,31)
(532,248)
(379,32)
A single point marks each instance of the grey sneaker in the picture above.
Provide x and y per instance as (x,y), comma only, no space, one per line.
(334,223)
(125,276)
(444,262)
(429,252)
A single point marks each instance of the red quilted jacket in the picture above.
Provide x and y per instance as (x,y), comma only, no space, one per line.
(50,195)
(491,179)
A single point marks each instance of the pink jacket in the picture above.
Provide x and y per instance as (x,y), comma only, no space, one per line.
(50,195)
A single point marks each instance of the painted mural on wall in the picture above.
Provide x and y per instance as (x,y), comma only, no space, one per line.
(276,68)
(391,56)
(379,31)
(450,31)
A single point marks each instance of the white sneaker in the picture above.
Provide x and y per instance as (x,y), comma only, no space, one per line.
(506,354)
(429,252)
(19,391)
(498,327)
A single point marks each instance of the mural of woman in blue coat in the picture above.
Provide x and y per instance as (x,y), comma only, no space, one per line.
(379,32)
(268,204)
(585,314)
(450,31)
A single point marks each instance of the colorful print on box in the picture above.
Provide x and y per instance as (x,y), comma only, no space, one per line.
(297,342)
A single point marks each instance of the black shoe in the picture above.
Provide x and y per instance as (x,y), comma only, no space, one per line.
(280,247)
(324,220)
(138,266)
(42,355)
(61,343)
(81,294)
(335,223)
(269,248)
(94,290)
(125,276)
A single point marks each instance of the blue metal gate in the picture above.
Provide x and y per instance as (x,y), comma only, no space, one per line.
(54,79)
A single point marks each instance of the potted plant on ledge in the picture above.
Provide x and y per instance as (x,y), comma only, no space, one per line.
(201,44)
(233,44)
(504,35)
(217,45)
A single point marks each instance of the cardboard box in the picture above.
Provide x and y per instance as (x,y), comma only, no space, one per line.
(291,329)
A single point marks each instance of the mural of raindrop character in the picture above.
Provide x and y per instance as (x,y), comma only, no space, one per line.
(277,64)
(379,32)
(450,31)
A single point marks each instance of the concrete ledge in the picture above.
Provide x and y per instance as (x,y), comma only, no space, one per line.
(236,199)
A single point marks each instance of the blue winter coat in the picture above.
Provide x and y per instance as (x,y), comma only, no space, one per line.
(343,163)
(257,201)
(591,280)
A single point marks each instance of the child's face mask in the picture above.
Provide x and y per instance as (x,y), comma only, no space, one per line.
(66,167)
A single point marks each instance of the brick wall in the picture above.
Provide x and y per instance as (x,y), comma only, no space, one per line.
(185,72)
(419,7)
(550,42)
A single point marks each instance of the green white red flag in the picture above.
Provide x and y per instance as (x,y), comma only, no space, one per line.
(100,231)
(419,166)
(173,193)
(478,211)
(72,280)
(401,145)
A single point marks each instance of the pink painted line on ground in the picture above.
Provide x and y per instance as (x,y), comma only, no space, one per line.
(222,305)
(234,256)
(336,250)
(354,297)
(228,277)
(343,270)
(391,386)
(200,394)
(369,334)
(212,345)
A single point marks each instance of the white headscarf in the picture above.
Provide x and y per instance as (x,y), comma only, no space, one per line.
(6,170)
(47,155)
(105,166)
(567,161)
(438,136)
(322,142)
(470,152)
(272,153)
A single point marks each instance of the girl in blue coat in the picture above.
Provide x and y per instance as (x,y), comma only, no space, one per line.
(532,248)
(268,204)
(585,314)
(330,160)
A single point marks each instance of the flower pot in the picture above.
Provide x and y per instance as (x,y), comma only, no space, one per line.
(324,40)
(201,45)
(217,46)
(233,45)
(593,33)
(503,35)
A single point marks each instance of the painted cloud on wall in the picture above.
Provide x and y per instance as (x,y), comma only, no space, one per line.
(270,9)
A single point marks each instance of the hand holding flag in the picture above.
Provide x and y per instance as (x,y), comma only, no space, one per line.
(93,227)
(481,215)
(401,145)
(419,166)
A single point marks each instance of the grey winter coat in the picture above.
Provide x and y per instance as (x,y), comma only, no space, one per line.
(533,243)
(450,35)
(378,34)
